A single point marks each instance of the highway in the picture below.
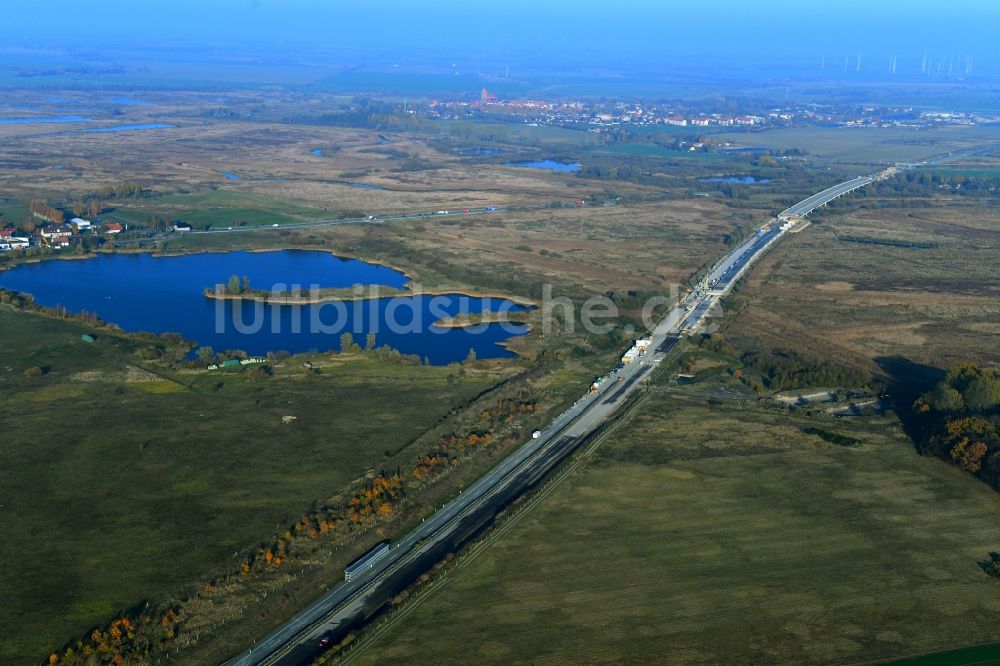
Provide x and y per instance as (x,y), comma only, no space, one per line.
(731,266)
(349,603)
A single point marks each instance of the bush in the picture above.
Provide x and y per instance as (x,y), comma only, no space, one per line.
(832,437)
(991,565)
(259,373)
(35,371)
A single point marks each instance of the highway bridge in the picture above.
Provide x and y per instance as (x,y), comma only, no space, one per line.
(349,603)
(808,205)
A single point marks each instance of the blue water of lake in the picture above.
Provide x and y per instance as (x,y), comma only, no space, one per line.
(550,165)
(130,128)
(45,120)
(142,292)
(745,180)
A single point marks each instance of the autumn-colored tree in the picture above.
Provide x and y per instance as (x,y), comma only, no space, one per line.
(53,658)
(43,211)
(969,455)
(971,425)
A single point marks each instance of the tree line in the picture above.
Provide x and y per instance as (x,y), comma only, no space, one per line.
(120,191)
(961,419)
(780,370)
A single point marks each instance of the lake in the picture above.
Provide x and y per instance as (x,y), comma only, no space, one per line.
(230,175)
(141,292)
(128,101)
(130,128)
(45,120)
(745,180)
(550,165)
(477,152)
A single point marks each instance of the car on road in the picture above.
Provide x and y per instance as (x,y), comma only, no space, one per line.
(441,212)
(325,642)
(466,210)
(491,209)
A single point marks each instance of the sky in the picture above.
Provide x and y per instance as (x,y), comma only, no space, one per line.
(596,34)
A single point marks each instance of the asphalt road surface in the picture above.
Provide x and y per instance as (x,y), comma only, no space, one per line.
(732,265)
(349,603)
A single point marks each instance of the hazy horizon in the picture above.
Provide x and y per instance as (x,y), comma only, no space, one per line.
(634,36)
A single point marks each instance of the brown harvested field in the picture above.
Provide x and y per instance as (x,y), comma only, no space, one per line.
(921,283)
(646,246)
(272,159)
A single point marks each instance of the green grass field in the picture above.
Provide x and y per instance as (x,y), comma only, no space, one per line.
(715,535)
(865,145)
(219,208)
(13,211)
(115,490)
